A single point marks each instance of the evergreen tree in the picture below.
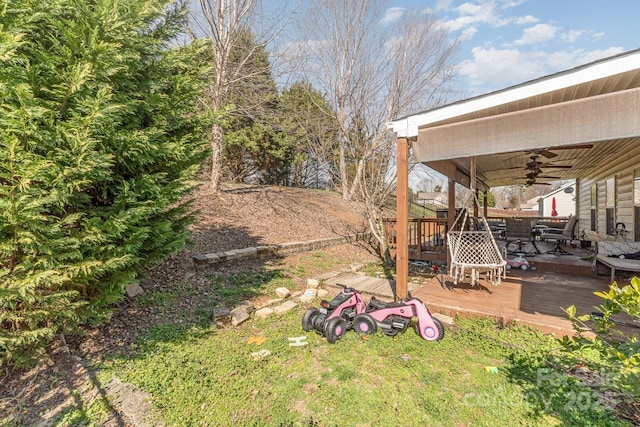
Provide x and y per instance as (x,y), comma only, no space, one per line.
(308,119)
(99,136)
(255,149)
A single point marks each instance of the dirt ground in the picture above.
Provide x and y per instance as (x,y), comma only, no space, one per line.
(238,217)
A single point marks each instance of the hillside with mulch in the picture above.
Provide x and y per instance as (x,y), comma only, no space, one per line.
(239,216)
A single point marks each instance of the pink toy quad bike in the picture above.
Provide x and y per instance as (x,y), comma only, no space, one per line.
(395,317)
(334,318)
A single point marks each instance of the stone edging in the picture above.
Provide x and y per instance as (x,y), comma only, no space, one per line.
(276,250)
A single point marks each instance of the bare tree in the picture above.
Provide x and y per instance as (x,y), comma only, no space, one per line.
(226,23)
(373,73)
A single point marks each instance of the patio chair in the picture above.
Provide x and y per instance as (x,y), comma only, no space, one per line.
(518,234)
(560,236)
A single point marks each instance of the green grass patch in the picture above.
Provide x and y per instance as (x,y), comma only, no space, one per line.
(230,289)
(203,376)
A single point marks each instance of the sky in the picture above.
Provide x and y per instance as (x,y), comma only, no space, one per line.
(508,42)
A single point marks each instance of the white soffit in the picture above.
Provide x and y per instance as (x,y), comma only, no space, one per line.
(408,126)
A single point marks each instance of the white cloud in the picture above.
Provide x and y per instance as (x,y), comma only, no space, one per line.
(571,36)
(537,34)
(493,69)
(500,67)
(392,14)
(443,5)
(468,34)
(513,3)
(524,20)
(484,12)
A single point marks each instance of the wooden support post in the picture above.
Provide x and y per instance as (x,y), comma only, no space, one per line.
(475,204)
(451,213)
(485,203)
(402,218)
(473,186)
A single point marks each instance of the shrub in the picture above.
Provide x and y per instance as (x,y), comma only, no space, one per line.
(99,135)
(616,345)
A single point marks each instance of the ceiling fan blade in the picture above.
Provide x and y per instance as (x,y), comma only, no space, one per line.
(556,166)
(549,177)
(572,147)
(546,152)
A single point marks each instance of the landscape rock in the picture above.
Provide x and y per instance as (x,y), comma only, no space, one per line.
(132,402)
(260,354)
(247,306)
(134,289)
(308,295)
(273,301)
(220,312)
(356,266)
(147,283)
(306,298)
(264,312)
(322,293)
(239,315)
(313,283)
(283,292)
(285,307)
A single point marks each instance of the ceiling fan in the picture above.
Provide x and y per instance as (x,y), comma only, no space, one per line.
(535,165)
(534,173)
(546,152)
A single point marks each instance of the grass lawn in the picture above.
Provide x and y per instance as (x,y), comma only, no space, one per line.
(199,375)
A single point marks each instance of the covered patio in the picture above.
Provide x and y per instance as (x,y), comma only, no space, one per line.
(581,124)
(534,297)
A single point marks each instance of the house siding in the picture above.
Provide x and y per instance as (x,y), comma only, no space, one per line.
(623,209)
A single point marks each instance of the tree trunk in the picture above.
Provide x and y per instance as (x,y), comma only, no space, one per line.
(216,157)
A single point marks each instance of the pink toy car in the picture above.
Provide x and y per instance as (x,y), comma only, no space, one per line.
(518,262)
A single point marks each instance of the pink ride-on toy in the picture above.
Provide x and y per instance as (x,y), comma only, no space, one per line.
(518,262)
(395,317)
(334,318)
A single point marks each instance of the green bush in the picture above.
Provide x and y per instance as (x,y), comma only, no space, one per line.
(99,137)
(609,332)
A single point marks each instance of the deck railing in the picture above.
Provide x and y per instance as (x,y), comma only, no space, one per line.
(427,236)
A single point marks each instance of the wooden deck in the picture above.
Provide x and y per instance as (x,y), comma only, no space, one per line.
(535,297)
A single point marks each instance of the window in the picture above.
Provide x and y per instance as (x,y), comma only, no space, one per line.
(610,204)
(594,208)
(636,205)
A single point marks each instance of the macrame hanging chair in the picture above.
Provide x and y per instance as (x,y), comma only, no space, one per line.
(474,251)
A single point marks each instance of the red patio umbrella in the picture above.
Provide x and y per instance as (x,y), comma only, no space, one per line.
(554,212)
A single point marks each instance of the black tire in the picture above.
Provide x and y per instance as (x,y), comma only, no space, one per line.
(439,326)
(392,332)
(335,329)
(308,319)
(364,324)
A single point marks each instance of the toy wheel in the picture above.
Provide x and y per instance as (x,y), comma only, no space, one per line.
(335,329)
(364,324)
(308,319)
(523,267)
(439,326)
(508,267)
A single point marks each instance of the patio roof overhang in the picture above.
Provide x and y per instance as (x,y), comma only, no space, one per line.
(573,124)
(586,118)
